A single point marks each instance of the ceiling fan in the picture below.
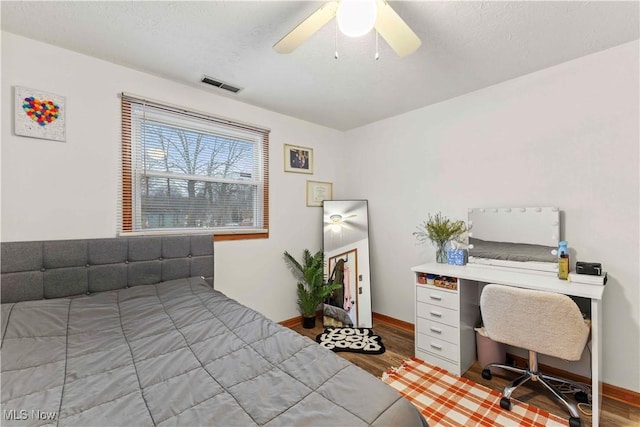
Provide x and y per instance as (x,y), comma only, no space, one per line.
(355,18)
(337,222)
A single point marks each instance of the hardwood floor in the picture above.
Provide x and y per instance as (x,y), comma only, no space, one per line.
(399,345)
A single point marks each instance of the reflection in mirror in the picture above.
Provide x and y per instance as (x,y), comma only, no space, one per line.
(346,253)
(515,237)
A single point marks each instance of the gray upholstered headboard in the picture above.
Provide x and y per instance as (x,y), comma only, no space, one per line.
(60,268)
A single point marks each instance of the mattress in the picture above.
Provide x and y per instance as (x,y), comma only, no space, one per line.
(177,353)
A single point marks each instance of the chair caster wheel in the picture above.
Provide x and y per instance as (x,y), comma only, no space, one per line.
(486,374)
(505,403)
(581,397)
(575,422)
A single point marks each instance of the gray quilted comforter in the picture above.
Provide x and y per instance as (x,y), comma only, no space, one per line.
(177,353)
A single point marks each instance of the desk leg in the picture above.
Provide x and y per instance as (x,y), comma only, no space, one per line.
(596,360)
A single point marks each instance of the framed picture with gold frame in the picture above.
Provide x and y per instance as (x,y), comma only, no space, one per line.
(298,159)
(318,192)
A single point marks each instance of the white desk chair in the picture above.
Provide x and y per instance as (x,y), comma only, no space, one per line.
(541,322)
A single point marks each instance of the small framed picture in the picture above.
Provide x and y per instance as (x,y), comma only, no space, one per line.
(298,159)
(318,192)
(39,114)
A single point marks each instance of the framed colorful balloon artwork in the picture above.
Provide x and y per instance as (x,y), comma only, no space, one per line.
(39,114)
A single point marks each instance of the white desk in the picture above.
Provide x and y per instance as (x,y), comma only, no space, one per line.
(456,313)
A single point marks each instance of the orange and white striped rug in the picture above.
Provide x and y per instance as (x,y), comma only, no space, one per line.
(448,400)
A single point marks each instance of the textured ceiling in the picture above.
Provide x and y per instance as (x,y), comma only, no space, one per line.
(465,46)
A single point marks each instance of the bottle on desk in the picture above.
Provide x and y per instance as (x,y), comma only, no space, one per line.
(563,260)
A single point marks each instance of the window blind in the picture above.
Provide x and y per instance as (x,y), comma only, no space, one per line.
(186,170)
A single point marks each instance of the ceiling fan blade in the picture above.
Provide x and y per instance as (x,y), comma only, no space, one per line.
(307,28)
(395,31)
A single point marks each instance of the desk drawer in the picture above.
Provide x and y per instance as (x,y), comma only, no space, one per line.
(438,330)
(439,361)
(438,297)
(438,314)
(438,347)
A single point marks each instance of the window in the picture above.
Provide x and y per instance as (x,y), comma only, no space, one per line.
(187,171)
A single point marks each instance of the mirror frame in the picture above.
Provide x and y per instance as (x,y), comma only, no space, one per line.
(346,233)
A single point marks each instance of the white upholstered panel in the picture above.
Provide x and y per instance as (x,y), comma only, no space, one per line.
(543,322)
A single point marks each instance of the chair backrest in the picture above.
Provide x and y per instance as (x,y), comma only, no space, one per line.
(544,322)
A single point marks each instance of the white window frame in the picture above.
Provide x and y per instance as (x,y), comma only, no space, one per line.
(191,120)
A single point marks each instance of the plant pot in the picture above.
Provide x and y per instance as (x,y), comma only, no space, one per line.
(441,254)
(309,322)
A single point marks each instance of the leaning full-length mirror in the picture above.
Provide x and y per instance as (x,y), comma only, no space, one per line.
(346,253)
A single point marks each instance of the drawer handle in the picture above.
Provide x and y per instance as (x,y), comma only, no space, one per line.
(435,313)
(436,330)
(436,297)
(436,346)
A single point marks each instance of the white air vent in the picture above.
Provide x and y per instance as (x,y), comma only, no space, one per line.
(222,85)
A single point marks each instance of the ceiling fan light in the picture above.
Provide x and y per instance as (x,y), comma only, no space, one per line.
(356,17)
(336,223)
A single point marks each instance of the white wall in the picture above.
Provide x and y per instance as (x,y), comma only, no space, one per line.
(566,136)
(53,190)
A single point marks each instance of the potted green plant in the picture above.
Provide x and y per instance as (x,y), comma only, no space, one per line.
(312,290)
(440,230)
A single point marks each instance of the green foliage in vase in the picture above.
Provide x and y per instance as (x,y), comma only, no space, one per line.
(312,289)
(439,229)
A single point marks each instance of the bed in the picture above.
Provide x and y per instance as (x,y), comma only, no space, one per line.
(514,255)
(130,331)
(335,316)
